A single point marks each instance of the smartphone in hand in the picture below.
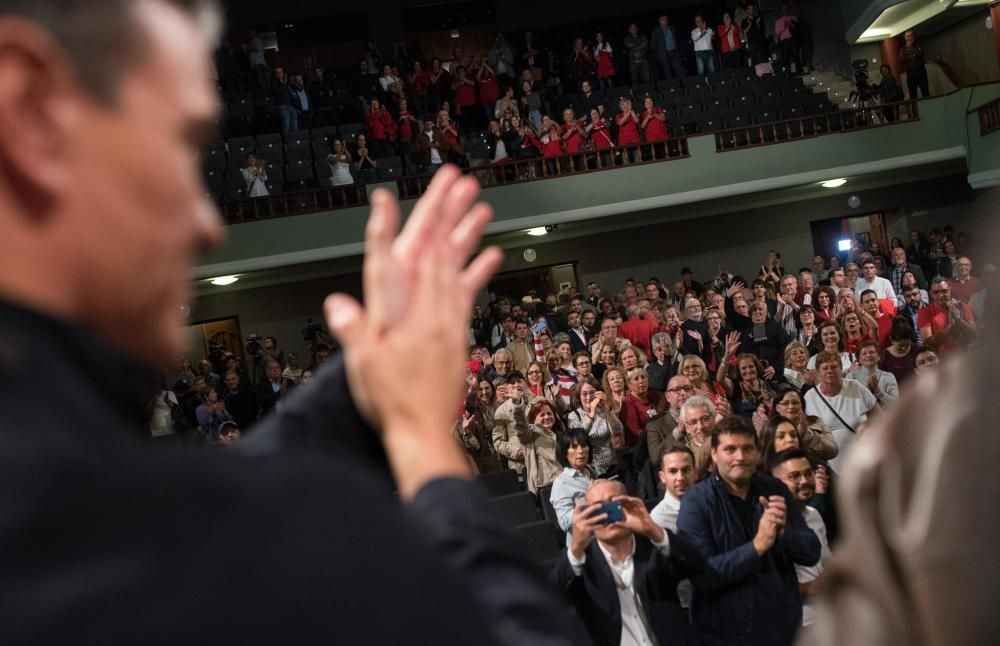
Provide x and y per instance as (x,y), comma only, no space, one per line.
(613,510)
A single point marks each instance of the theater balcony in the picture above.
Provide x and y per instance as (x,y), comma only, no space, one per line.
(942,135)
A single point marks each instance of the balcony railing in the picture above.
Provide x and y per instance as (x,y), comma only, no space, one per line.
(539,168)
(989,117)
(815,125)
(294,203)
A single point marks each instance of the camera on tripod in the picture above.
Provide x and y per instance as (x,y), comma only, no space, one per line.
(863,94)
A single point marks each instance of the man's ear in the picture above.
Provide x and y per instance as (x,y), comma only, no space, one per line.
(40,109)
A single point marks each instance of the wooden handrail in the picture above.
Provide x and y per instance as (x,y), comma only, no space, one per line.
(252,209)
(517,171)
(739,138)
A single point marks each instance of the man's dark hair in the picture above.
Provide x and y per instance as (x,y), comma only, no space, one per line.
(522,320)
(675,447)
(733,425)
(685,271)
(514,376)
(102,39)
(784,456)
(574,437)
(867,291)
(902,329)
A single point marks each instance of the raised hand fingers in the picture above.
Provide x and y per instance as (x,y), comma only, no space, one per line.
(478,273)
(380,278)
(466,234)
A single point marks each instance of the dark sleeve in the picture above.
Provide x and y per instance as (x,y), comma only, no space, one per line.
(319,416)
(798,541)
(684,562)
(724,568)
(452,516)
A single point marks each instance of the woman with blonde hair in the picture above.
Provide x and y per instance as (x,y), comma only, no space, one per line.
(614,388)
(693,367)
(796,361)
(632,357)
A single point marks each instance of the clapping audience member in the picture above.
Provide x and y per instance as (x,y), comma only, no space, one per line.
(866,371)
(812,434)
(704,49)
(340,164)
(794,468)
(844,405)
(730,44)
(628,126)
(639,405)
(832,339)
(946,324)
(751,561)
(604,56)
(364,161)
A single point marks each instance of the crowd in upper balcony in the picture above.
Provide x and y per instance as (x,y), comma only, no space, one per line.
(527,97)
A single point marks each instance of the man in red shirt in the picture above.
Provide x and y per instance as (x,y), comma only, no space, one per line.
(946,324)
(638,330)
(965,284)
(870,305)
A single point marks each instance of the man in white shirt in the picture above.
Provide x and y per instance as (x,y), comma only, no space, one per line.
(704,52)
(677,475)
(623,584)
(793,468)
(871,280)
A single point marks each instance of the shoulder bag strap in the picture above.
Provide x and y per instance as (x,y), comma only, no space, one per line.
(834,411)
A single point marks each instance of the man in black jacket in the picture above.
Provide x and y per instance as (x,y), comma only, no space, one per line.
(622,576)
(760,335)
(293,534)
(272,388)
(667,49)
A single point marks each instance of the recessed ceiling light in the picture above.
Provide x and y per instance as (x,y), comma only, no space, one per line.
(833,183)
(222,281)
(537,231)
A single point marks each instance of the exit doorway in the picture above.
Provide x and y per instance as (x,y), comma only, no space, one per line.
(543,280)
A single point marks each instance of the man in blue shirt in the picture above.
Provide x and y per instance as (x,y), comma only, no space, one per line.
(740,522)
(666,48)
(300,101)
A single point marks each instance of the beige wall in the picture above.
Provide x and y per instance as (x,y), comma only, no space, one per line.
(969,49)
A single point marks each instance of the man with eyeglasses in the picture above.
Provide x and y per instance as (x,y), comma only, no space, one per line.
(851,275)
(946,324)
(965,284)
(608,335)
(664,429)
(699,417)
(794,469)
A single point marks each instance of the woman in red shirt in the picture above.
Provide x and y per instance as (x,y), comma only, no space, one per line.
(628,126)
(465,100)
(605,62)
(418,83)
(489,88)
(600,135)
(440,84)
(405,129)
(639,405)
(381,126)
(551,136)
(732,48)
(653,121)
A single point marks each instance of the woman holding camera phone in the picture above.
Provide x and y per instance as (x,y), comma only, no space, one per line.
(590,414)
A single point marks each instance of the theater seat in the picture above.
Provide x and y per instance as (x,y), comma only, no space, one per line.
(500,483)
(515,508)
(541,540)
(545,500)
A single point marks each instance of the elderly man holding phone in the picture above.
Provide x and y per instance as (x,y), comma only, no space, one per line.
(621,571)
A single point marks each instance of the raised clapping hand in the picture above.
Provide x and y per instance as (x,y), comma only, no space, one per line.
(772,523)
(416,286)
(732,343)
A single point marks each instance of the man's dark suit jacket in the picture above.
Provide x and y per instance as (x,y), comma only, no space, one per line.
(267,398)
(595,596)
(292,535)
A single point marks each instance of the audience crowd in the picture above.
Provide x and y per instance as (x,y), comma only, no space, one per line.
(689,435)
(524,98)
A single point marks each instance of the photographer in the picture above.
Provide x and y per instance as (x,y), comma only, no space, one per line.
(637,603)
(255,176)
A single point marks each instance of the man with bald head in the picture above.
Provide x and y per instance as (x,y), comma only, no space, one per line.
(621,571)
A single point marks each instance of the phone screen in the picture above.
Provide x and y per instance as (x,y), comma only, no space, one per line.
(538,327)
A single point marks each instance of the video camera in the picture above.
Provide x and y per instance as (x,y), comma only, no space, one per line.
(253,344)
(863,91)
